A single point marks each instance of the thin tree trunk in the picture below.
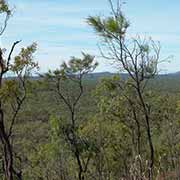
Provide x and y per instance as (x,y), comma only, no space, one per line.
(7,151)
(148,130)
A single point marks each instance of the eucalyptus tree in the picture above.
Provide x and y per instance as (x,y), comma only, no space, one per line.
(12,91)
(134,55)
(67,83)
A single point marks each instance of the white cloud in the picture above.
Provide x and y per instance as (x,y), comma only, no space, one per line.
(60,29)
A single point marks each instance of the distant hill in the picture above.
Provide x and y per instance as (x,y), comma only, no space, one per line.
(98,75)
(162,82)
(104,74)
(125,75)
(176,74)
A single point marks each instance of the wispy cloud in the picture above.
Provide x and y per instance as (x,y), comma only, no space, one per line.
(60,29)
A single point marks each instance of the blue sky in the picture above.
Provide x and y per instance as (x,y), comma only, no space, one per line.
(59,27)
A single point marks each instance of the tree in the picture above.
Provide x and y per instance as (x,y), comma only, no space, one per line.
(13,92)
(69,76)
(6,12)
(139,58)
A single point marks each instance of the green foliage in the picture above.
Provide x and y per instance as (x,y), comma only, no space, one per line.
(4,8)
(23,63)
(105,132)
(73,125)
(75,68)
(9,91)
(109,27)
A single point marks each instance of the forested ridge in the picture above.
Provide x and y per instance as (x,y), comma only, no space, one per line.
(72,123)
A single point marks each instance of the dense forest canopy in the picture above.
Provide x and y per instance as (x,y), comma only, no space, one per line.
(73,124)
